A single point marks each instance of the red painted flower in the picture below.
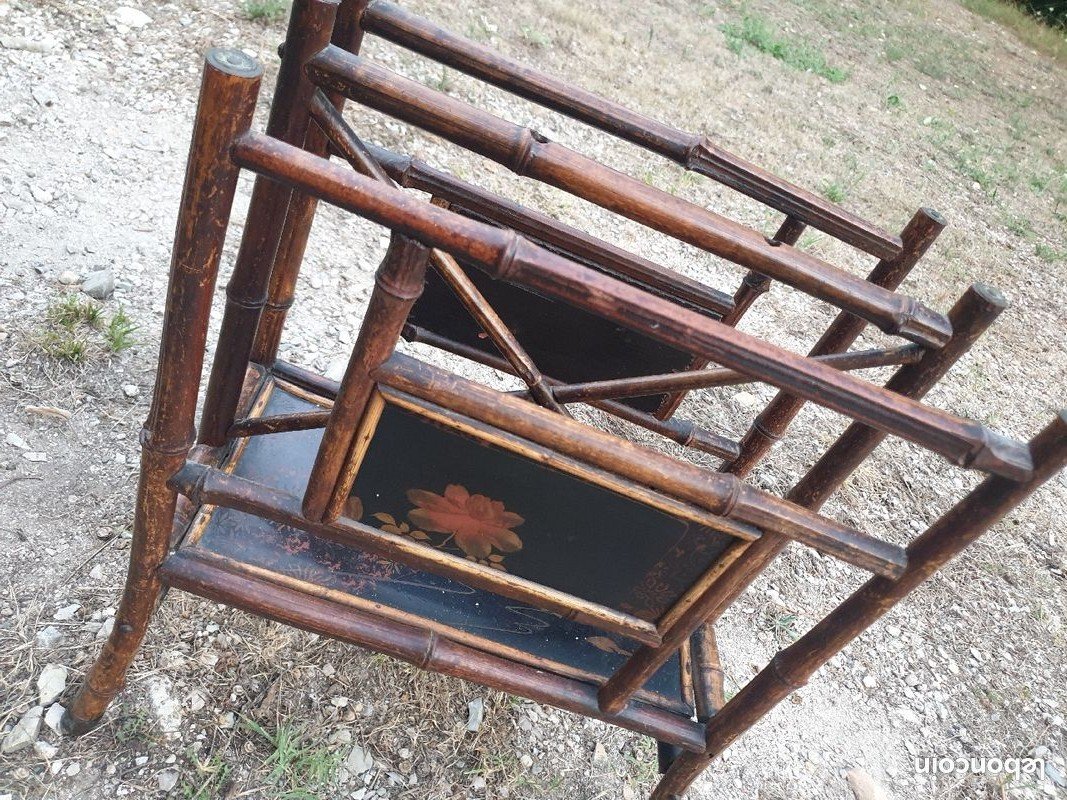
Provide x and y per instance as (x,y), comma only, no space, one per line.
(478,523)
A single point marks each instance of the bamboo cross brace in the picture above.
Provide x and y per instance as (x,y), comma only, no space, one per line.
(355,152)
(716,377)
(683,432)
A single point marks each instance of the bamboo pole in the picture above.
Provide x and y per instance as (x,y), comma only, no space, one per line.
(310,25)
(228,91)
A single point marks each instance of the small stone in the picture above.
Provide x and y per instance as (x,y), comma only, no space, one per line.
(478,784)
(359,761)
(73,769)
(1055,774)
(599,753)
(29,45)
(475,714)
(24,733)
(863,785)
(227,720)
(53,718)
(167,780)
(131,390)
(526,760)
(99,284)
(912,679)
(15,440)
(140,761)
(41,195)
(45,750)
(339,702)
(124,16)
(340,736)
(35,456)
(196,701)
(745,399)
(51,683)
(869,682)
(97,573)
(66,613)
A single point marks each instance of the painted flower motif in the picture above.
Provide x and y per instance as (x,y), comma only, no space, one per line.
(390,525)
(477,523)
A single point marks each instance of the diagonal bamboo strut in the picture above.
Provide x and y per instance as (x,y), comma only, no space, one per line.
(355,152)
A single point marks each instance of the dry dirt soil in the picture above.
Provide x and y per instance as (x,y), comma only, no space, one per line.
(930,105)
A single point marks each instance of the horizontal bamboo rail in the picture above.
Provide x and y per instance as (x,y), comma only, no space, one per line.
(278,423)
(423,648)
(503,254)
(721,494)
(475,202)
(718,377)
(696,153)
(327,389)
(528,153)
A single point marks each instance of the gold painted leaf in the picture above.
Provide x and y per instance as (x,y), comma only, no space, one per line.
(383,517)
(419,535)
(606,644)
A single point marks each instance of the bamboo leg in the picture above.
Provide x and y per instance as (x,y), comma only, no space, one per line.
(770,425)
(955,530)
(397,286)
(347,34)
(310,25)
(228,94)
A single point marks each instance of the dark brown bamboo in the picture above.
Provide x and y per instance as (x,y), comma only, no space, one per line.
(228,92)
(683,432)
(206,485)
(475,202)
(709,690)
(790,669)
(397,285)
(618,388)
(505,255)
(918,236)
(719,493)
(350,146)
(972,315)
(347,34)
(310,25)
(755,284)
(528,153)
(423,648)
(278,423)
(696,153)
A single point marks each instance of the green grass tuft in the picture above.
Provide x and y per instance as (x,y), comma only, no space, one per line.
(297,769)
(834,192)
(756,33)
(264,10)
(1050,38)
(119,332)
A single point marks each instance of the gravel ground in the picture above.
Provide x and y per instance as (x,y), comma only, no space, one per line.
(936,107)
